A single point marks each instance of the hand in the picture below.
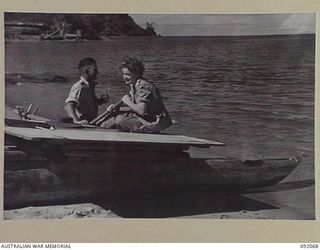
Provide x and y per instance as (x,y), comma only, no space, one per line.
(111,108)
(81,122)
(104,98)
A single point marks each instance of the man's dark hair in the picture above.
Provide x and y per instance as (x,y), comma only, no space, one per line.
(134,65)
(86,61)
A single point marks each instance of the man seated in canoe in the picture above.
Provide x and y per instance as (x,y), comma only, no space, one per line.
(142,110)
(82,103)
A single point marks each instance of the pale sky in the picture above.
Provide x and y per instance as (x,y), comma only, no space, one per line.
(228,24)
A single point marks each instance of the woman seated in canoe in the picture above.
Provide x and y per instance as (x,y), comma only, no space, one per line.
(142,110)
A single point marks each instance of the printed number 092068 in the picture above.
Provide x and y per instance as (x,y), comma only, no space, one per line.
(308,245)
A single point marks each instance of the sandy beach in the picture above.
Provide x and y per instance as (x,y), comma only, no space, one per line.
(283,205)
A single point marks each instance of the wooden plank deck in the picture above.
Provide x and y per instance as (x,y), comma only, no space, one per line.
(105,136)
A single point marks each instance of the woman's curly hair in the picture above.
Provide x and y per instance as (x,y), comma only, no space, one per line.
(133,65)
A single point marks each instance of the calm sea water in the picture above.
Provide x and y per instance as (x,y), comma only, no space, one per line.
(256,94)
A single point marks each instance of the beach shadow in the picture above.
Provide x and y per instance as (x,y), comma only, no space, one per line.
(176,204)
(285,186)
(180,204)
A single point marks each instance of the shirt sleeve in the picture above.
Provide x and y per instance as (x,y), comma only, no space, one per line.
(74,95)
(143,92)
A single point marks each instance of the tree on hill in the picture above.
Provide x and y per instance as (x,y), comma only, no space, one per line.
(93,26)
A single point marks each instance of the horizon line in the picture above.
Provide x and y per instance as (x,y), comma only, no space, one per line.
(298,34)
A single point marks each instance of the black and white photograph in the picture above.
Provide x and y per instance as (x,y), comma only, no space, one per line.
(193,116)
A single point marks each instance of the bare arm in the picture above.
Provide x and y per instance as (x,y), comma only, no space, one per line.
(140,108)
(71,111)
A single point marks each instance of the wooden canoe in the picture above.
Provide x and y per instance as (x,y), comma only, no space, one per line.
(47,166)
(37,181)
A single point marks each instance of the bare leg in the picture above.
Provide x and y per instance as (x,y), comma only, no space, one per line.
(129,124)
(110,123)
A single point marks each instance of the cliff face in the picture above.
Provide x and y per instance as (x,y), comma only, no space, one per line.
(93,26)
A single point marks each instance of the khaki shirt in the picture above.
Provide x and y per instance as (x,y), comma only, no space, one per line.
(157,117)
(83,95)
(148,93)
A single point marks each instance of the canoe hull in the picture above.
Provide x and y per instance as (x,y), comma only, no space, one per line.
(32,181)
